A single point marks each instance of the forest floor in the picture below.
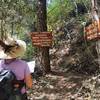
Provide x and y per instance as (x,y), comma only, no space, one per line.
(63,85)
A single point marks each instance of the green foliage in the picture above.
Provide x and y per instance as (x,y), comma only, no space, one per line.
(59,12)
(30,52)
(17,12)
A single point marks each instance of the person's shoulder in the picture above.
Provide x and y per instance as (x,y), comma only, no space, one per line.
(23,62)
(1,60)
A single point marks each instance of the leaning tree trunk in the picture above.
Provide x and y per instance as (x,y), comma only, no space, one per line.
(96,12)
(98,42)
(42,26)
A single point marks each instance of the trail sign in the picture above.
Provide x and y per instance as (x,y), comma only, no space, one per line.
(91,31)
(42,39)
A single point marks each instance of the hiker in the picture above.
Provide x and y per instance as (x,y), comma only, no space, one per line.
(10,55)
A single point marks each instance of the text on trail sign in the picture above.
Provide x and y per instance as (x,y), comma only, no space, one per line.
(92,31)
(41,39)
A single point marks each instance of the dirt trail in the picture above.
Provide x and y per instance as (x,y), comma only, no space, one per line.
(57,86)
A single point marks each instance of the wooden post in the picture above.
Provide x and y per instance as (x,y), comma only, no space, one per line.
(98,42)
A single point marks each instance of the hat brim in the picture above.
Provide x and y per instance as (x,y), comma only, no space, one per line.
(15,52)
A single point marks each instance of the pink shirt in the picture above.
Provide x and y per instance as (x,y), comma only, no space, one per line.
(18,67)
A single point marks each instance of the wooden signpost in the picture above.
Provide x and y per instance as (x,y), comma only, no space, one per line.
(42,39)
(91,31)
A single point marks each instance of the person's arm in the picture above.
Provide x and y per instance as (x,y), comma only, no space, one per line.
(28,77)
(28,80)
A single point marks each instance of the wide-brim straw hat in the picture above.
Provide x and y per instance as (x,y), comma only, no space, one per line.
(16,51)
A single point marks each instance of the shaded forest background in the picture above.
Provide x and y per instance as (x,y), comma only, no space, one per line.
(19,18)
(65,19)
(73,59)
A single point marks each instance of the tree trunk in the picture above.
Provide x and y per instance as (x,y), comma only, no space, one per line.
(42,26)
